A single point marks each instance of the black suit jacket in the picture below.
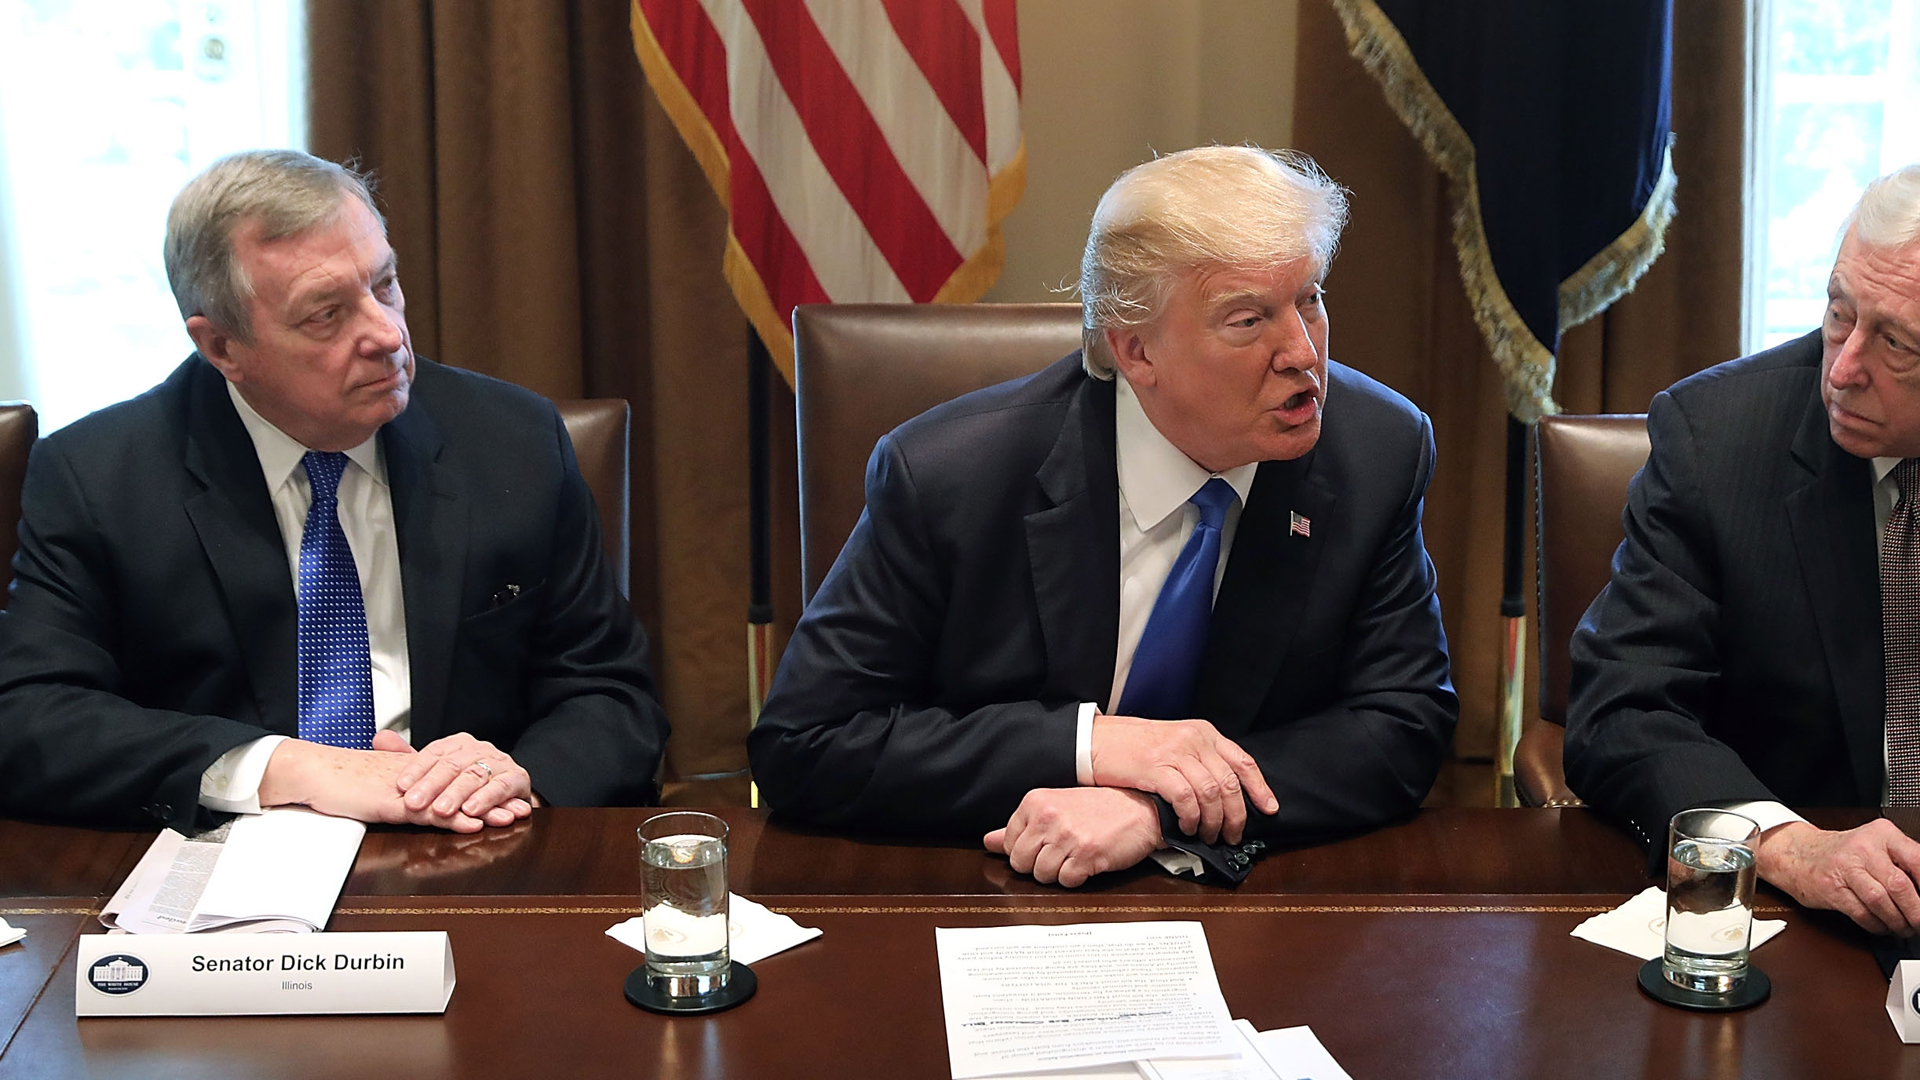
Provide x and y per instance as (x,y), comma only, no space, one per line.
(936,677)
(1735,654)
(152,621)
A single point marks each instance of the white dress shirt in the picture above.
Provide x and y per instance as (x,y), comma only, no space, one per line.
(1886,492)
(232,783)
(1156,480)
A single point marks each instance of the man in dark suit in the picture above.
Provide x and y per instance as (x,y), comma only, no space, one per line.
(310,568)
(1022,638)
(1753,649)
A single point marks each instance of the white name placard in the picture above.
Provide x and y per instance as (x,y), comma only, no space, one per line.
(1903,1000)
(262,974)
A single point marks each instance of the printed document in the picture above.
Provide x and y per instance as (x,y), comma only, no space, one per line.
(280,871)
(1042,998)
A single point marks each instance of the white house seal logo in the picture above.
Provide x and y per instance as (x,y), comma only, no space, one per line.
(118,974)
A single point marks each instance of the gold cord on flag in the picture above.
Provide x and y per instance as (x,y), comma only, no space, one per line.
(1526,363)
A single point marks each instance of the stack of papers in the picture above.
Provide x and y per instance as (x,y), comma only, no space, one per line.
(277,872)
(1104,1001)
(1282,1054)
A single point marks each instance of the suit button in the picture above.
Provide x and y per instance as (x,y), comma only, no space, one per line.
(161,811)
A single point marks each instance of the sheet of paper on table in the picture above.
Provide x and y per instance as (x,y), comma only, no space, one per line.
(1042,998)
(1282,1054)
(1249,1065)
(1295,1053)
(277,872)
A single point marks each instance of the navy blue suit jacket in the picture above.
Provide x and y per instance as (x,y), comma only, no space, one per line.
(936,676)
(1735,654)
(152,621)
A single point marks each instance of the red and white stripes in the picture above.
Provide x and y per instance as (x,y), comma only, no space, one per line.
(867,150)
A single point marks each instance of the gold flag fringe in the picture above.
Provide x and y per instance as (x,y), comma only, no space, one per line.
(1525,362)
(1616,268)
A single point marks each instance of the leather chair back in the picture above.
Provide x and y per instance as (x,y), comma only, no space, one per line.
(1582,466)
(19,428)
(597,426)
(860,370)
(600,429)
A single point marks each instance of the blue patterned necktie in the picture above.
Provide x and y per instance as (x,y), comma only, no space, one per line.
(336,672)
(1160,684)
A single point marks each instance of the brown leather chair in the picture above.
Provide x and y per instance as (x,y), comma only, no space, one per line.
(599,428)
(19,427)
(860,370)
(1582,466)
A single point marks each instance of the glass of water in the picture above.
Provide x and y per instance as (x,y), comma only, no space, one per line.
(1710,879)
(683,902)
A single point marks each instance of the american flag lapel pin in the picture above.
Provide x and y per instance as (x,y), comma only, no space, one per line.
(1300,526)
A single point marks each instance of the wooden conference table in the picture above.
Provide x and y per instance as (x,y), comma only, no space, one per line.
(1436,948)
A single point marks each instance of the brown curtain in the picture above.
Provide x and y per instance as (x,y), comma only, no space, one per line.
(1401,314)
(553,231)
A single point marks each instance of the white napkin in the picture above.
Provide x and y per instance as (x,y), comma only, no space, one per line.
(1639,926)
(10,934)
(754,932)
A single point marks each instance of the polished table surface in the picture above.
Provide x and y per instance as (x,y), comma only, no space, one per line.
(1434,948)
(578,852)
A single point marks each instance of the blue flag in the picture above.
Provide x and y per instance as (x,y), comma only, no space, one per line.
(1552,123)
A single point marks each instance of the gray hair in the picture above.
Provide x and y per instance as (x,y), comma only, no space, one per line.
(1888,213)
(286,191)
(1210,206)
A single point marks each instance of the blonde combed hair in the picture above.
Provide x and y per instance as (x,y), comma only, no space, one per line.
(1210,206)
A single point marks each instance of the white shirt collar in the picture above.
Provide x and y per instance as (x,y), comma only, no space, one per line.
(1884,465)
(1156,478)
(280,453)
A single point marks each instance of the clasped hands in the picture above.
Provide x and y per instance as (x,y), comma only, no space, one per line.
(1070,834)
(458,783)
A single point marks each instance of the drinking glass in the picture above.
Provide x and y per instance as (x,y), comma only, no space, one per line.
(683,902)
(1710,879)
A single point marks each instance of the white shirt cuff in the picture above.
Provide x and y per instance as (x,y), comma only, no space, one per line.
(232,783)
(1083,744)
(1765,813)
(1174,861)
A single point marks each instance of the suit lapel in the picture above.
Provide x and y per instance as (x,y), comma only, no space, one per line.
(233,518)
(1269,575)
(1832,520)
(1074,549)
(430,522)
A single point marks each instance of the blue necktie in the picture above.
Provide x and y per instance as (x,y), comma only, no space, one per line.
(1160,684)
(336,672)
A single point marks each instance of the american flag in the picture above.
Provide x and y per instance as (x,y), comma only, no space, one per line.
(867,150)
(1300,526)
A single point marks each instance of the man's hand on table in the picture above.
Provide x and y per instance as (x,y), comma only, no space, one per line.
(1200,772)
(370,785)
(1866,874)
(1070,834)
(443,777)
